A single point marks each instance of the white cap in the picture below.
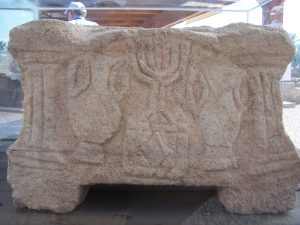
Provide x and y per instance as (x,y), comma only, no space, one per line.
(76,6)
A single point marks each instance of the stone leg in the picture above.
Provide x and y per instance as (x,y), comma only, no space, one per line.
(266,197)
(48,195)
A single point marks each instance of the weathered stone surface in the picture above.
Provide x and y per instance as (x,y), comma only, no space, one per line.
(194,107)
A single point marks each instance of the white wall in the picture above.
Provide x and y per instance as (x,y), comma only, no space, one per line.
(231,14)
(291,16)
(12,18)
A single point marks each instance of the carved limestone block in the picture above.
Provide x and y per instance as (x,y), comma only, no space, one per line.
(192,107)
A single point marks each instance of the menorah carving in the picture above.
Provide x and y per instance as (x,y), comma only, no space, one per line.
(191,107)
(161,134)
(166,66)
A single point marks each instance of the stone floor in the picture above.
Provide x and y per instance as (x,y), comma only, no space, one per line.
(128,205)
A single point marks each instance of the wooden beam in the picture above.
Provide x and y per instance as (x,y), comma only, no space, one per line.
(120,21)
(101,16)
(144,3)
(126,12)
(173,3)
(166,18)
(164,3)
(112,12)
(200,16)
(152,2)
(120,24)
(143,18)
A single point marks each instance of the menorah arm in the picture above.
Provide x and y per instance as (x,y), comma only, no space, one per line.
(141,59)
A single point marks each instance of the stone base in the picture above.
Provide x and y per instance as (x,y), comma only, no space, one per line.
(273,196)
(44,189)
(47,195)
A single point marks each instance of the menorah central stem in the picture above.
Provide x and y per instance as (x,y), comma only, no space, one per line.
(157,98)
(161,98)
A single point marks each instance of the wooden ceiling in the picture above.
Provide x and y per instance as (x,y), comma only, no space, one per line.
(113,13)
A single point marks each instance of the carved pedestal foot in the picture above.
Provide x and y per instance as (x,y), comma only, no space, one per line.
(47,195)
(268,197)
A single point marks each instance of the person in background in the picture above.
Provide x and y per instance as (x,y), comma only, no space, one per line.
(76,14)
